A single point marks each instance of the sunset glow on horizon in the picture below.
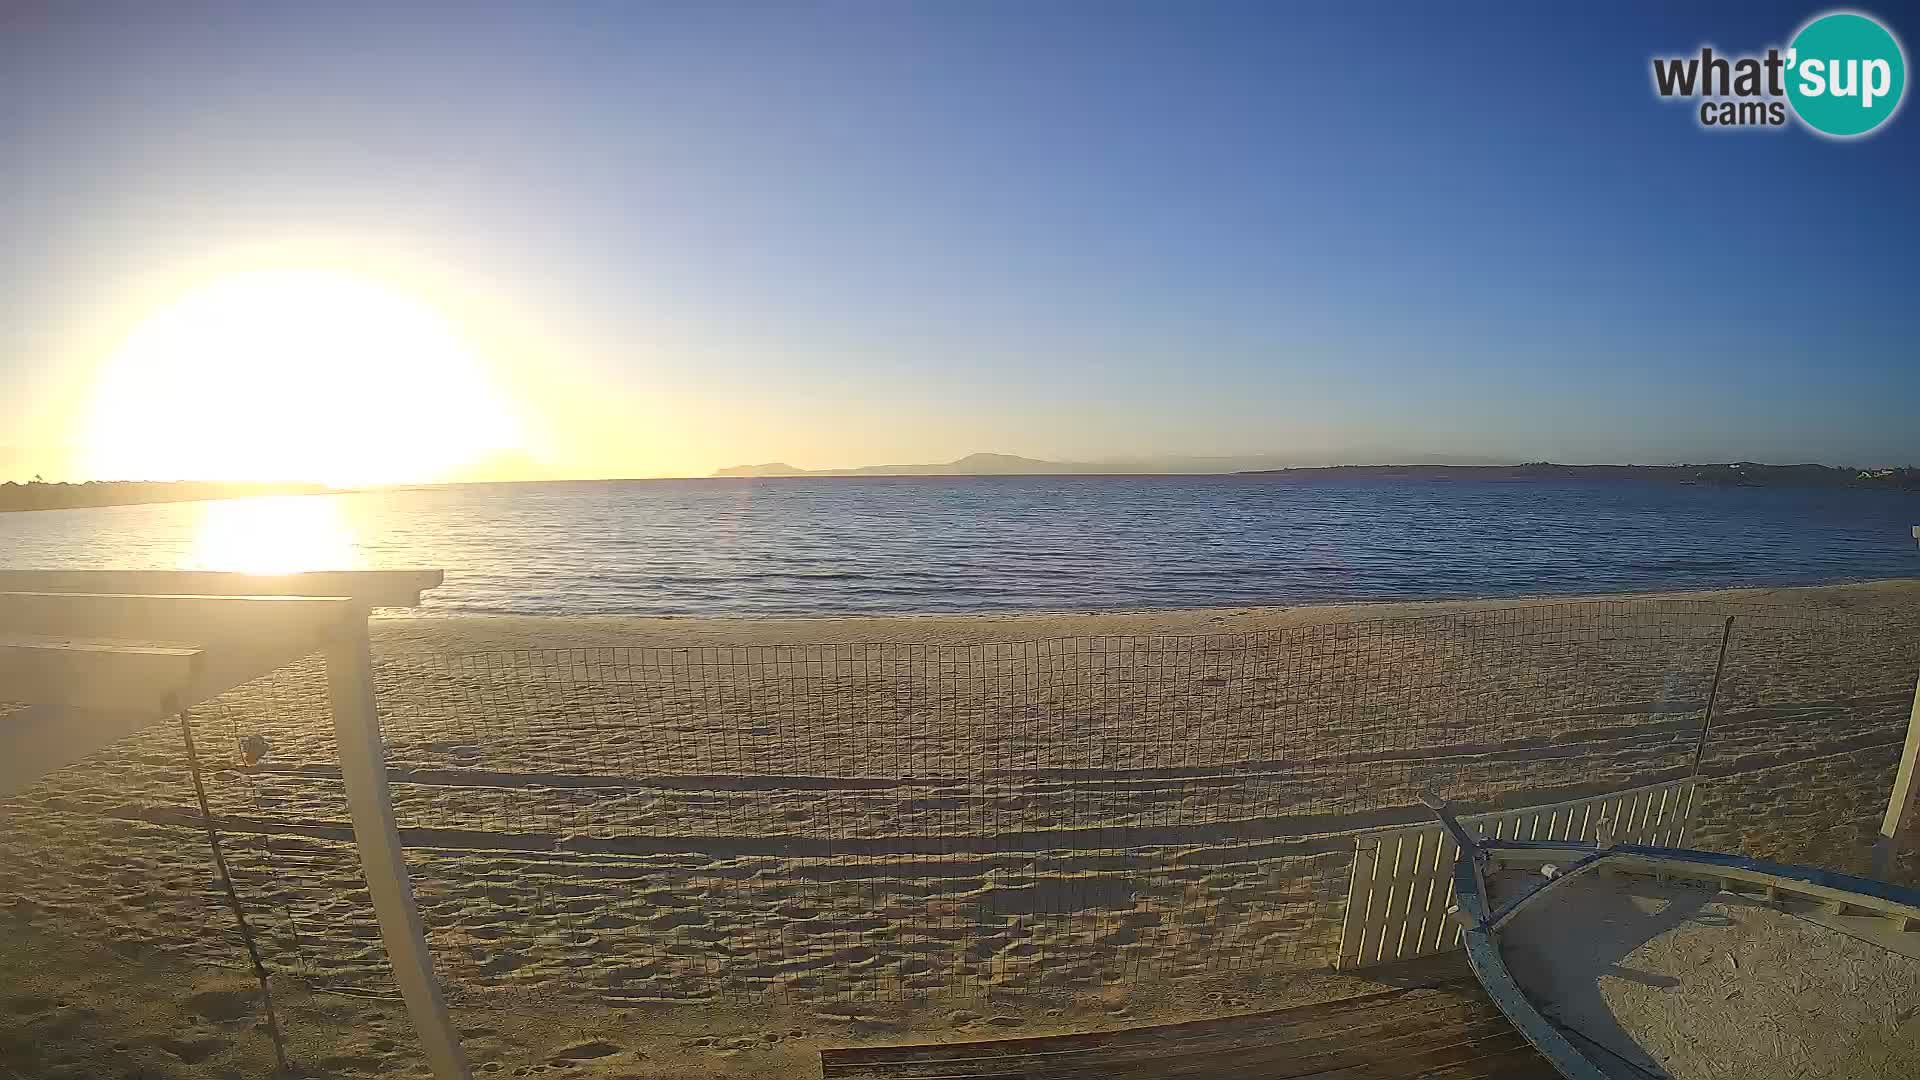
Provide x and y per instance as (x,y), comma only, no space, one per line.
(385,244)
(295,375)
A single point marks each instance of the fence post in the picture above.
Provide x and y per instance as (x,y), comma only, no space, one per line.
(363,765)
(1713,695)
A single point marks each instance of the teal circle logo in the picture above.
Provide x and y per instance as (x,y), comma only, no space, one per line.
(1845,74)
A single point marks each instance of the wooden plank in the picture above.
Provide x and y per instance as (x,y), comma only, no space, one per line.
(363,767)
(1790,886)
(1143,1052)
(1380,898)
(241,637)
(1657,818)
(369,588)
(1636,814)
(96,675)
(1416,931)
(1694,868)
(1408,903)
(1398,1001)
(1673,815)
(1440,930)
(1896,826)
(183,619)
(1690,796)
(1521,1062)
(1369,1030)
(1383,1047)
(1650,816)
(1359,895)
(83,696)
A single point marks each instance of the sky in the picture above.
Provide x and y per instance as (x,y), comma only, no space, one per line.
(664,238)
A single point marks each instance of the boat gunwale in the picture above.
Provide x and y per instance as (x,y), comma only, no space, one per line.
(1482,923)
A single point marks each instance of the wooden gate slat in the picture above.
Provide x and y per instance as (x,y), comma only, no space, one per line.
(1402,881)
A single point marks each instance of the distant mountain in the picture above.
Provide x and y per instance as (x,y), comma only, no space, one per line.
(971,465)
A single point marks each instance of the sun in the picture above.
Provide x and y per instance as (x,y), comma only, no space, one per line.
(294,375)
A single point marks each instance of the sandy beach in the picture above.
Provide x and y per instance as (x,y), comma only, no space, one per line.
(666,847)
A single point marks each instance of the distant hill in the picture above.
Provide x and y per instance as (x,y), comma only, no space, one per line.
(44,496)
(971,465)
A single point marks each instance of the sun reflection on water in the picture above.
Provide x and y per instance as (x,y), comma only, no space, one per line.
(274,535)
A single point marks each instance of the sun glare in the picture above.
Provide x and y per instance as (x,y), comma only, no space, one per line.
(294,375)
(280,535)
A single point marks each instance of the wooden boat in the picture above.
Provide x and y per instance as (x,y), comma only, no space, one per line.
(1629,961)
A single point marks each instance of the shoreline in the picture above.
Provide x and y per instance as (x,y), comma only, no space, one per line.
(487,630)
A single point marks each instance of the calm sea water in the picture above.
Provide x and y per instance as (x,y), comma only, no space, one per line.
(722,547)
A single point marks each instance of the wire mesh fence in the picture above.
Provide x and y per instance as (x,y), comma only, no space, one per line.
(890,822)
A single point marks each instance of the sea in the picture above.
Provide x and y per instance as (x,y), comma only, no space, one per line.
(820,546)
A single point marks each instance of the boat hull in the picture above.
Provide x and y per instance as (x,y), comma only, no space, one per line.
(1635,961)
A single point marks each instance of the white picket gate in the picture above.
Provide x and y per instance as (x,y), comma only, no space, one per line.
(1403,877)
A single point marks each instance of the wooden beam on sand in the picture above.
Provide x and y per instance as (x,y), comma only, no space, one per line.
(368,588)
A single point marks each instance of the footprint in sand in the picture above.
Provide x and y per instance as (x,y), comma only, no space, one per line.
(585,1051)
(221,1004)
(194,1051)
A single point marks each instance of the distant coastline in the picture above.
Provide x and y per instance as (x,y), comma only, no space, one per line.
(40,495)
(1730,474)
(1014,465)
(1721,474)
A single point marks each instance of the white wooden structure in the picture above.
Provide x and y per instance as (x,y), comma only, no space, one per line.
(1403,877)
(96,655)
(1899,819)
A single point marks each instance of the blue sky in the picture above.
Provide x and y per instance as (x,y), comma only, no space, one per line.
(687,236)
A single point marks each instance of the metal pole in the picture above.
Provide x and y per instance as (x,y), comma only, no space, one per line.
(1713,694)
(233,895)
